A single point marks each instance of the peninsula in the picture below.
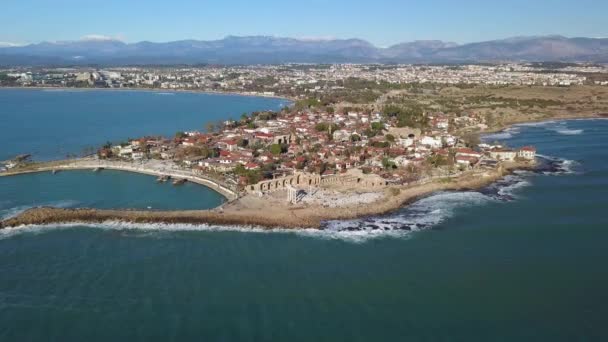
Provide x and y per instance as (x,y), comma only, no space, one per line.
(344,149)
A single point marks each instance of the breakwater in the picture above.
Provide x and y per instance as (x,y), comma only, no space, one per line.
(228,191)
(263,214)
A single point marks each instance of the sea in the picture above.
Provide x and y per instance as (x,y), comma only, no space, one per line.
(523,259)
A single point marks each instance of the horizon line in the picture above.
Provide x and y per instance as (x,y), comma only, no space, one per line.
(107,38)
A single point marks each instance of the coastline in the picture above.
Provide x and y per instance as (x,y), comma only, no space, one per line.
(84,164)
(264,214)
(159,90)
(266,217)
(584,116)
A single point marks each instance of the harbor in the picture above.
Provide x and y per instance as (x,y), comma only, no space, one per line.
(163,174)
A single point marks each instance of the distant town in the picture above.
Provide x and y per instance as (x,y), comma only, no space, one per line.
(294,79)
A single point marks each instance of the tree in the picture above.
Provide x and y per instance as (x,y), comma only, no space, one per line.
(471,139)
(219,125)
(490,119)
(321,127)
(380,144)
(242,142)
(377,126)
(240,170)
(388,164)
(180,135)
(437,160)
(275,149)
(412,116)
(390,138)
(210,127)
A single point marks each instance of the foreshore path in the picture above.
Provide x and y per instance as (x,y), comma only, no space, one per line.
(153,169)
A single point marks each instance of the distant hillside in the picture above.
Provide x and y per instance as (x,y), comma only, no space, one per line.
(272,50)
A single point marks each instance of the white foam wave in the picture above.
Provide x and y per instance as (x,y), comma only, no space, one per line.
(498,136)
(423,214)
(560,127)
(569,131)
(516,183)
(14,211)
(569,166)
(170,94)
(157,229)
(536,124)
(505,134)
(561,166)
(166,228)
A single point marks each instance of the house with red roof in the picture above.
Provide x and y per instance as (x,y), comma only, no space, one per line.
(467,152)
(252,166)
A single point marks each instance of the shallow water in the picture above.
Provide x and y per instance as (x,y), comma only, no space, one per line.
(523,259)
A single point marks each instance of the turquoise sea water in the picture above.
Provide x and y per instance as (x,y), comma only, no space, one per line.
(51,123)
(520,260)
(105,189)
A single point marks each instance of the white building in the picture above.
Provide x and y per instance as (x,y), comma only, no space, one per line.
(405,142)
(503,154)
(527,152)
(432,142)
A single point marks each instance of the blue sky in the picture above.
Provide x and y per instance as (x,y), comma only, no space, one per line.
(382,22)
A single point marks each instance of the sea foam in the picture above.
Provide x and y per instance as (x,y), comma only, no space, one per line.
(560,127)
(569,131)
(426,213)
(14,211)
(559,166)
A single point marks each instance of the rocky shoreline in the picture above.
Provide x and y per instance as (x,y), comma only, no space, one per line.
(265,216)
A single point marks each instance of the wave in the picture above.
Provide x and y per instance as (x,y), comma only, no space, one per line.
(569,131)
(498,136)
(165,93)
(558,166)
(147,228)
(429,212)
(14,211)
(426,213)
(560,127)
(423,214)
(537,124)
(506,189)
(505,134)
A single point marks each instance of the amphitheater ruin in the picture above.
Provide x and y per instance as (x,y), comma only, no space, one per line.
(353,178)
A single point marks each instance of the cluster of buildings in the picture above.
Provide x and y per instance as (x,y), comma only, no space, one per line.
(326,144)
(271,79)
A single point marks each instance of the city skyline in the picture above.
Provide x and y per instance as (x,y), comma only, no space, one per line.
(387,22)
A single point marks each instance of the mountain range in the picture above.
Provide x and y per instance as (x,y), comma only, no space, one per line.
(275,50)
